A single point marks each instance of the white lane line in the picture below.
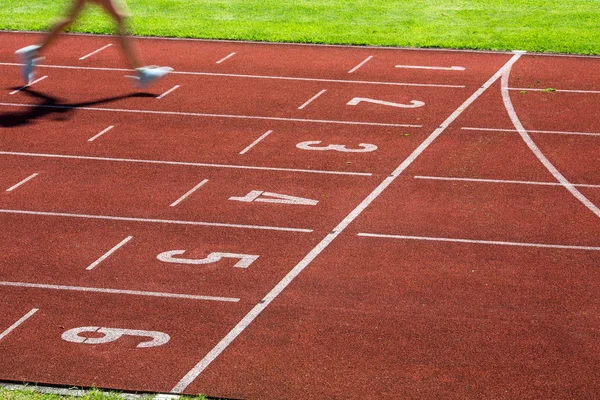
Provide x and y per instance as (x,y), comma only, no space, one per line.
(109,253)
(531,131)
(225,58)
(257,141)
(327,240)
(117,291)
(100,134)
(182,163)
(312,99)
(192,190)
(94,52)
(290,78)
(445,178)
(153,220)
(553,90)
(168,91)
(233,116)
(18,323)
(453,68)
(366,60)
(30,177)
(536,150)
(29,84)
(487,242)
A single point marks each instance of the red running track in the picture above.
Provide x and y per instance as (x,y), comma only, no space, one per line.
(292,221)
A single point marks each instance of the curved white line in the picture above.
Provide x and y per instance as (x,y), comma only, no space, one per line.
(536,150)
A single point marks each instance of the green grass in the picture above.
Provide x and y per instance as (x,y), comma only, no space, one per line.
(94,394)
(533,25)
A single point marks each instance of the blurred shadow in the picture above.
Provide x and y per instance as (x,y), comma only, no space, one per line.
(53,106)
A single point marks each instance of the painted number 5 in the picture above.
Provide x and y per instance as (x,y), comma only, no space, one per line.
(245,260)
(313,145)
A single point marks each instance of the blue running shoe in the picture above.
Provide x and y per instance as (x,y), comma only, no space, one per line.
(28,57)
(148,75)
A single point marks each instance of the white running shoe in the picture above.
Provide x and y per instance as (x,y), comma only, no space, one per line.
(147,75)
(28,56)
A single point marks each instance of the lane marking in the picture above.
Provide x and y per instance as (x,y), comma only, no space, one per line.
(224,343)
(536,150)
(445,178)
(18,323)
(100,134)
(225,58)
(117,291)
(109,253)
(453,68)
(555,90)
(312,99)
(192,190)
(366,60)
(289,78)
(531,130)
(232,116)
(168,91)
(183,163)
(30,177)
(28,85)
(153,220)
(472,241)
(257,141)
(94,52)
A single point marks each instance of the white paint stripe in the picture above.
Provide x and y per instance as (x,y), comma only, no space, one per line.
(192,190)
(552,90)
(264,135)
(182,163)
(167,92)
(453,68)
(536,150)
(486,242)
(94,52)
(225,58)
(312,99)
(366,60)
(290,78)
(18,323)
(532,131)
(28,85)
(30,177)
(443,178)
(152,220)
(100,134)
(117,291)
(109,253)
(190,114)
(278,289)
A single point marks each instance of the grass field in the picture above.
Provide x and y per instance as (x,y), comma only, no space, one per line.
(532,25)
(33,394)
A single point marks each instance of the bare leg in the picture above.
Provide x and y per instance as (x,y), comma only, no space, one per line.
(62,25)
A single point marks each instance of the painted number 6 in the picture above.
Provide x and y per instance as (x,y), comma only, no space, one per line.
(312,145)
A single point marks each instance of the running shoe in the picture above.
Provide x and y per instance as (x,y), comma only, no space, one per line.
(148,75)
(29,59)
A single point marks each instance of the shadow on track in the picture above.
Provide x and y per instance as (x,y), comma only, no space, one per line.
(53,106)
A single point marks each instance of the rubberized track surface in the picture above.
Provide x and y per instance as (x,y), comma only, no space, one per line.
(285,221)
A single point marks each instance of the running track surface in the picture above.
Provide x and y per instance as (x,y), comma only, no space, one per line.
(288,221)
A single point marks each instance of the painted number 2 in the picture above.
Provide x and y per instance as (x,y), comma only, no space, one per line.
(314,145)
(245,260)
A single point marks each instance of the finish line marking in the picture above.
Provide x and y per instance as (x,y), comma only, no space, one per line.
(471,241)
(118,291)
(241,326)
(94,52)
(109,253)
(18,323)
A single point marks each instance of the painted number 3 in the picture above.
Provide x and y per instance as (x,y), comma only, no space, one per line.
(314,145)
